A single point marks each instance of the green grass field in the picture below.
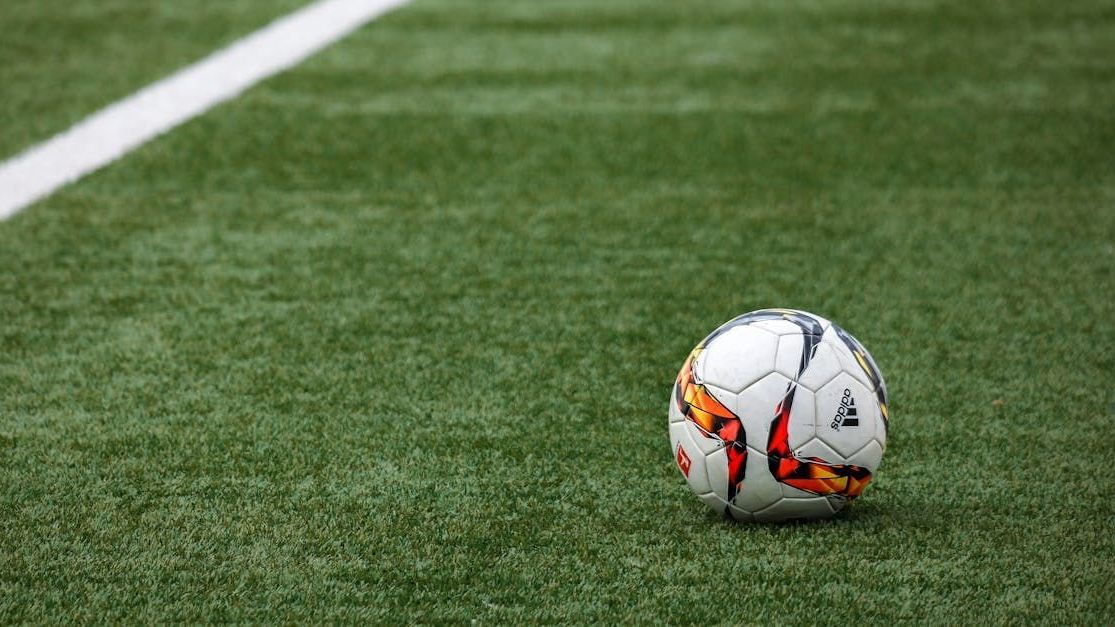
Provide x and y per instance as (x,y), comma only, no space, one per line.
(392,336)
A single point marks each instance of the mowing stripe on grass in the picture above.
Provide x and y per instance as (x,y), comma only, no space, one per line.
(127,124)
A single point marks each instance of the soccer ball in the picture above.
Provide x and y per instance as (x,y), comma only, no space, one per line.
(778,415)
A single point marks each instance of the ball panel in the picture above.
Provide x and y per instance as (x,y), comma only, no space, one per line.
(688,458)
(716,465)
(759,487)
(820,450)
(756,407)
(737,358)
(870,456)
(860,364)
(823,368)
(787,358)
(846,414)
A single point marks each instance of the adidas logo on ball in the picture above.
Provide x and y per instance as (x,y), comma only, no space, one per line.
(845,414)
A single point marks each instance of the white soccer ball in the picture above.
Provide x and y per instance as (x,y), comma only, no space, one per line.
(778,415)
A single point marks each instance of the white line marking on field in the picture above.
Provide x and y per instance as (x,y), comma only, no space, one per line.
(123,126)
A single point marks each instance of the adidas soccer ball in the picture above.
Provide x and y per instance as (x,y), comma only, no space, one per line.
(778,415)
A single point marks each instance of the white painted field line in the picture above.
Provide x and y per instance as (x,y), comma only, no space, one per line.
(119,128)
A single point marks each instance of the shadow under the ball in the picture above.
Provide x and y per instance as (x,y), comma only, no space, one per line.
(856,514)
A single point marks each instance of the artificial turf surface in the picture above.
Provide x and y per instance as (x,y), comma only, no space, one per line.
(392,336)
(62,59)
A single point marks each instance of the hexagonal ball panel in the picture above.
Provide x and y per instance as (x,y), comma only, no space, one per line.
(818,449)
(738,358)
(847,414)
(757,404)
(870,456)
(822,367)
(787,359)
(759,487)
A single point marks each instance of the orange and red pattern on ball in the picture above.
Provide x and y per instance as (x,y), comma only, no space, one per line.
(810,474)
(715,421)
